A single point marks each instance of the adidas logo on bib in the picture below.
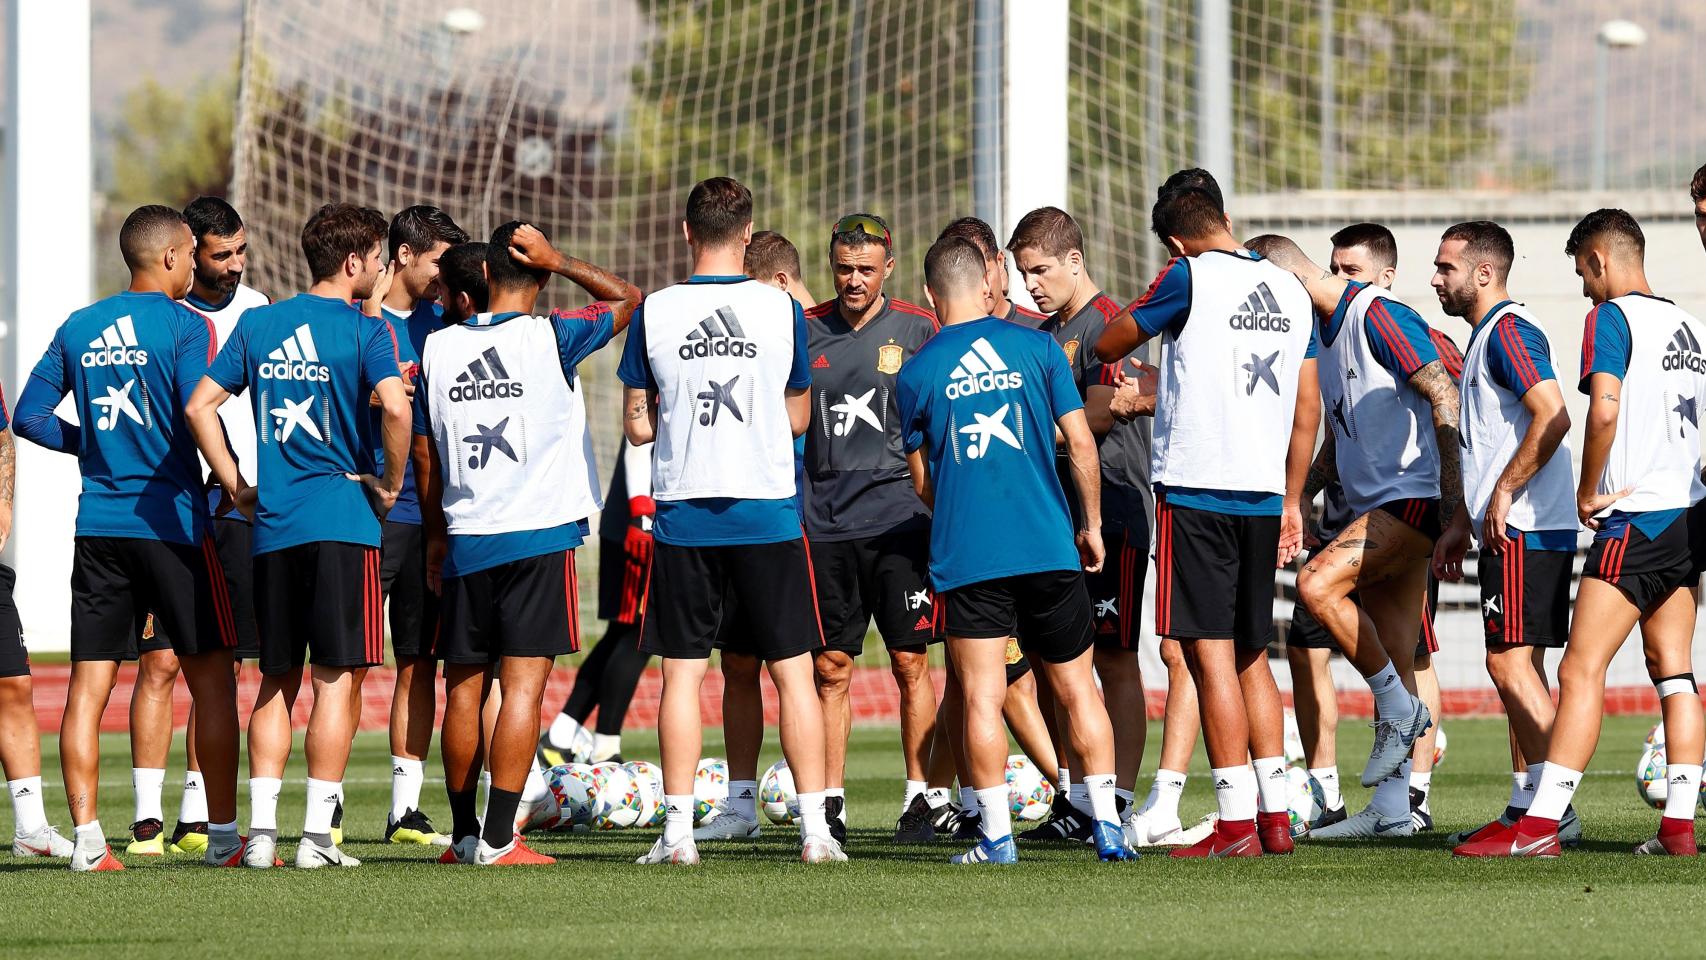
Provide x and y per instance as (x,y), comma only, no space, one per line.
(116,346)
(295,359)
(1260,312)
(718,335)
(485,379)
(980,370)
(1683,352)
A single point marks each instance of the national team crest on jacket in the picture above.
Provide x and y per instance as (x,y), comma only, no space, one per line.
(1071,348)
(889,356)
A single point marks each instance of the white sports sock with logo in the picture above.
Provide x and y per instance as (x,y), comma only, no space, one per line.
(1391,700)
(1555,785)
(149,782)
(812,821)
(1392,796)
(192,807)
(28,816)
(1164,794)
(1682,790)
(406,778)
(263,802)
(1064,786)
(1522,793)
(89,837)
(997,821)
(1271,785)
(1235,792)
(914,788)
(743,799)
(1079,797)
(322,799)
(562,732)
(1099,791)
(968,800)
(936,797)
(678,818)
(1424,783)
(1328,778)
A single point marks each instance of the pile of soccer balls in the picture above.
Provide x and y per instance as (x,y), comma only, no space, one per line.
(615,796)
(1650,769)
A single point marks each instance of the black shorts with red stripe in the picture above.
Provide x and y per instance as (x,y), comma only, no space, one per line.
(1428,643)
(1525,595)
(320,600)
(1646,569)
(766,588)
(411,607)
(1048,611)
(14,658)
(621,583)
(1214,575)
(886,578)
(1116,591)
(1421,513)
(522,608)
(117,581)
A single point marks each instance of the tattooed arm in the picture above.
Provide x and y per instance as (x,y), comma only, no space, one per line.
(8,483)
(639,418)
(1605,394)
(1324,470)
(1434,383)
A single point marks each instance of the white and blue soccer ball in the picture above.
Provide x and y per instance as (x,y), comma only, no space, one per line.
(571,785)
(1305,800)
(1029,793)
(776,794)
(710,789)
(1656,736)
(649,781)
(615,798)
(1650,775)
(1293,738)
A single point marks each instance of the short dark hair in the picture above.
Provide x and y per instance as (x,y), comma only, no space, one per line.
(1189,214)
(1606,220)
(462,269)
(1697,187)
(211,215)
(1049,229)
(979,233)
(855,239)
(718,210)
(502,270)
(1192,178)
(337,230)
(770,253)
(423,227)
(146,232)
(952,265)
(1381,245)
(1484,242)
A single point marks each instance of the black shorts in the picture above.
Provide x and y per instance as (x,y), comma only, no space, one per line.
(1116,591)
(1422,513)
(412,609)
(523,608)
(117,581)
(621,583)
(886,577)
(1428,644)
(234,541)
(14,658)
(1017,665)
(321,600)
(1214,575)
(1049,612)
(1525,595)
(1645,570)
(767,587)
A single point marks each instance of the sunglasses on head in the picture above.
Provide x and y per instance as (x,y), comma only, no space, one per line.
(859,223)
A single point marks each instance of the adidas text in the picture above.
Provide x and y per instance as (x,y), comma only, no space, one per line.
(1262,322)
(294,370)
(1675,360)
(486,390)
(719,347)
(983,382)
(115,356)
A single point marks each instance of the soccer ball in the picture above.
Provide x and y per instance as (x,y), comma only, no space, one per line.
(710,788)
(653,810)
(1029,793)
(571,784)
(1656,736)
(615,798)
(1305,801)
(776,794)
(1650,775)
(1439,746)
(1293,738)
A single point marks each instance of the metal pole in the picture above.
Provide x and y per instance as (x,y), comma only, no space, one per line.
(986,111)
(1601,78)
(856,115)
(1329,101)
(1214,89)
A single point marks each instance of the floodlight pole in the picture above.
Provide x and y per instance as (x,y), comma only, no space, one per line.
(1214,90)
(1036,46)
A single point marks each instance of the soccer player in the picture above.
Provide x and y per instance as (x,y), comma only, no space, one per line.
(1232,446)
(1697,193)
(869,535)
(725,356)
(1048,247)
(418,237)
(971,405)
(507,489)
(1382,381)
(310,364)
(1644,373)
(981,234)
(130,362)
(1518,492)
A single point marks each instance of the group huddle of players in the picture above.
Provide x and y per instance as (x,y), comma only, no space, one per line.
(415,437)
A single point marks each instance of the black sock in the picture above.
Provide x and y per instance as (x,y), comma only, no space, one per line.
(464,818)
(500,817)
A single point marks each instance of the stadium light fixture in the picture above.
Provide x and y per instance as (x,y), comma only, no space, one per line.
(1613,35)
(463,20)
(1622,34)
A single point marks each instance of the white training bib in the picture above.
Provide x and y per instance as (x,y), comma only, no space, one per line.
(1657,448)
(235,413)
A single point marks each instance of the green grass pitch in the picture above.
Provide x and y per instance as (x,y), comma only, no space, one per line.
(1398,899)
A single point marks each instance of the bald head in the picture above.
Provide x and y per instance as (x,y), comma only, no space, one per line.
(1282,252)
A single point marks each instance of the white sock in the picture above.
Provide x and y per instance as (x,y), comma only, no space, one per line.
(1099,790)
(1424,783)
(192,808)
(1392,796)
(1552,791)
(678,820)
(1270,785)
(562,732)
(1079,797)
(743,799)
(89,836)
(1391,700)
(812,821)
(968,799)
(1235,792)
(997,822)
(936,797)
(27,813)
(485,791)
(605,746)
(263,802)
(322,798)
(1164,794)
(1522,792)
(1328,778)
(149,783)
(535,787)
(1683,791)
(1064,787)
(914,788)
(406,778)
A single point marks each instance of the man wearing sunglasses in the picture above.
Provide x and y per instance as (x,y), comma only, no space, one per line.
(869,533)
